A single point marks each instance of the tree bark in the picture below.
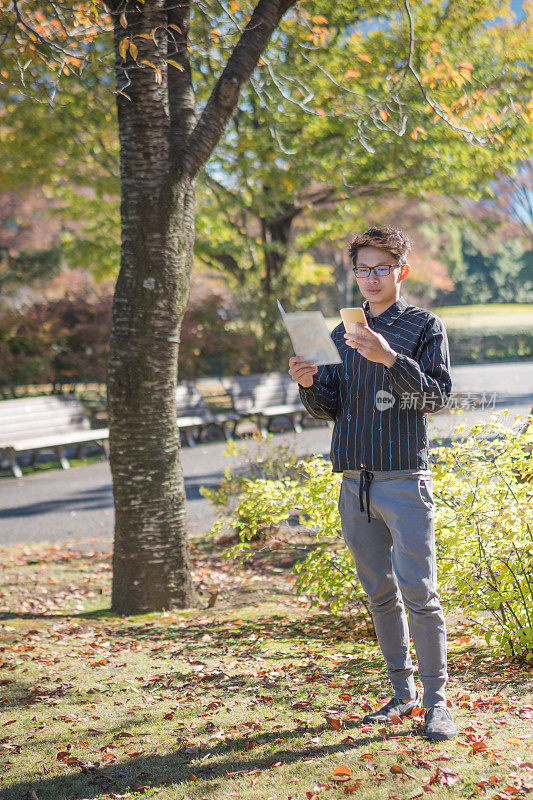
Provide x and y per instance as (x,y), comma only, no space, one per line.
(162,149)
(151,566)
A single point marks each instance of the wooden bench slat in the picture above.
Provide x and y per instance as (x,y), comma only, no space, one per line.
(30,420)
(71,437)
(51,424)
(43,401)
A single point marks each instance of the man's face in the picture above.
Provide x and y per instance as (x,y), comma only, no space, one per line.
(383,288)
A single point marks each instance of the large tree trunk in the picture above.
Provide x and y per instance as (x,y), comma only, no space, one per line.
(162,149)
(151,562)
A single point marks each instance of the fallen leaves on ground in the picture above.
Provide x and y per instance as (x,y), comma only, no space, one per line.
(89,697)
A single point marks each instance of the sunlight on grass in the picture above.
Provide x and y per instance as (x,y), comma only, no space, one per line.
(254,700)
(487,316)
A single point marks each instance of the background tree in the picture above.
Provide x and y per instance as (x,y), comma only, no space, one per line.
(310,159)
(162,53)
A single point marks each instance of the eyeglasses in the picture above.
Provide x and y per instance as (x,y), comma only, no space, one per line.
(361,271)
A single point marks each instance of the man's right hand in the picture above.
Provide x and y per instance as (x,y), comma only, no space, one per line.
(302,371)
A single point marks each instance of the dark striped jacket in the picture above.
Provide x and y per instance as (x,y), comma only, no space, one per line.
(380,414)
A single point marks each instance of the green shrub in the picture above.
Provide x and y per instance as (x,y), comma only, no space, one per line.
(485,541)
(471,347)
(483,490)
(276,486)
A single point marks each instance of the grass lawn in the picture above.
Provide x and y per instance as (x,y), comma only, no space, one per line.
(45,466)
(256,697)
(502,316)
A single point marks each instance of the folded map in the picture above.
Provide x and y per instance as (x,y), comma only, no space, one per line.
(310,336)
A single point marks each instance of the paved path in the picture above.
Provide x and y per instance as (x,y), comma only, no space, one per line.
(77,504)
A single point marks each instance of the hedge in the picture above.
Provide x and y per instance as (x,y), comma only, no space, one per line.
(469,347)
(66,341)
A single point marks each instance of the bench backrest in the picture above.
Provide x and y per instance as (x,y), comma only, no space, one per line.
(257,392)
(190,401)
(31,417)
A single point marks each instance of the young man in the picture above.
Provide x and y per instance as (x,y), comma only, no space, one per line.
(394,370)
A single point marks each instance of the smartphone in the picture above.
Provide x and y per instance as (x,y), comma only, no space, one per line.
(350,316)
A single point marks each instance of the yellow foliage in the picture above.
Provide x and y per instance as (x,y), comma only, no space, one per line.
(123,47)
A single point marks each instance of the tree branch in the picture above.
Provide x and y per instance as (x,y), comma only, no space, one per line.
(180,87)
(469,134)
(225,95)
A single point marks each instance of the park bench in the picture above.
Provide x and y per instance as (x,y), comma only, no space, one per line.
(51,422)
(264,398)
(195,416)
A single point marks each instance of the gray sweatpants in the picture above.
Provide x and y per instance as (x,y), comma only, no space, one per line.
(394,556)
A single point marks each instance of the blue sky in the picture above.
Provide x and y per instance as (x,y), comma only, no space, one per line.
(516,6)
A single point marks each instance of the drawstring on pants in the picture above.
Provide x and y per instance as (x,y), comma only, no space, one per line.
(364,489)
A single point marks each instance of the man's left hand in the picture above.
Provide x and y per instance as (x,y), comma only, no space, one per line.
(371,345)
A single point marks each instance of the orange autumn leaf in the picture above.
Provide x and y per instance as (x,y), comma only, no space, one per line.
(351,73)
(351,788)
(345,696)
(342,773)
(416,131)
(364,57)
(123,47)
(384,114)
(397,770)
(335,723)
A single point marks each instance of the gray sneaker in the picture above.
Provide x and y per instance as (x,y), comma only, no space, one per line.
(394,708)
(439,725)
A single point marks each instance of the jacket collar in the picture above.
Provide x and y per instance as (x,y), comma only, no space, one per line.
(392,312)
